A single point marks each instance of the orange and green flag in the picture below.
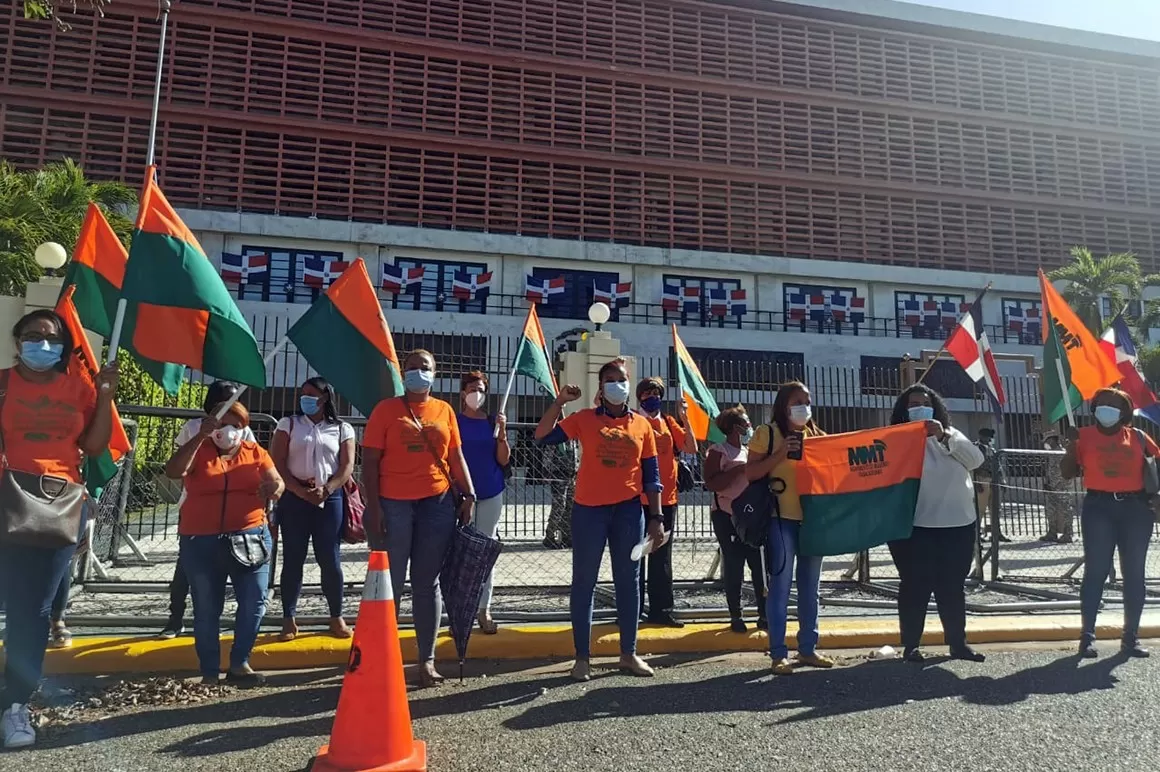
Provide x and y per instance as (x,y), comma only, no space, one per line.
(179,310)
(345,338)
(83,363)
(859,489)
(532,357)
(702,406)
(1071,349)
(97,270)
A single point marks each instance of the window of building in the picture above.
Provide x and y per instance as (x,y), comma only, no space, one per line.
(574,301)
(701,316)
(454,354)
(283,283)
(1022,321)
(1109,311)
(824,307)
(436,291)
(747,370)
(927,314)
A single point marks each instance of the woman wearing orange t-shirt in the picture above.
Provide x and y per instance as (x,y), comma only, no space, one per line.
(411,460)
(49,418)
(673,437)
(618,462)
(1116,512)
(224,534)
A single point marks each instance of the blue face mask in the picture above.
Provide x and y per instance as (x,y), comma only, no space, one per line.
(615,392)
(921,413)
(40,356)
(651,405)
(1107,415)
(308,405)
(418,381)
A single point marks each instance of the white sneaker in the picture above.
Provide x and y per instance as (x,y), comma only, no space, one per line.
(16,726)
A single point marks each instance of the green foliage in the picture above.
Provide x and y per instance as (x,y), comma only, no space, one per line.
(1116,277)
(1148,358)
(49,204)
(51,9)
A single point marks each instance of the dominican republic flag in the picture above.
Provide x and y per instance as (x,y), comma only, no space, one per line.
(319,272)
(670,297)
(612,294)
(1015,319)
(244,269)
(857,310)
(911,315)
(541,290)
(969,346)
(1032,322)
(398,280)
(727,302)
(839,307)
(798,307)
(690,299)
(949,314)
(467,286)
(931,313)
(1117,344)
(817,306)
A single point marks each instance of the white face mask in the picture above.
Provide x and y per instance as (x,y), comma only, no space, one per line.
(800,415)
(474,399)
(227,437)
(616,392)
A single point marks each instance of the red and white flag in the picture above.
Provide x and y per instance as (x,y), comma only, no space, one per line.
(970,347)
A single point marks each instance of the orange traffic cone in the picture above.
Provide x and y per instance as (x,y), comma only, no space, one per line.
(372,728)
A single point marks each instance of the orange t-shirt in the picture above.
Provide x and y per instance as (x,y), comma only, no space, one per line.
(408,470)
(669,436)
(43,424)
(221,493)
(1113,463)
(611,450)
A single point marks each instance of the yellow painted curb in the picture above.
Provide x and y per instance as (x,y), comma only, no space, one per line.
(145,655)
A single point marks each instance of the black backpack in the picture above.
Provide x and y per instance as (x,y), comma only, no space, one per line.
(754,509)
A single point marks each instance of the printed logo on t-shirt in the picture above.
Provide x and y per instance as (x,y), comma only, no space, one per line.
(617,449)
(1119,460)
(44,420)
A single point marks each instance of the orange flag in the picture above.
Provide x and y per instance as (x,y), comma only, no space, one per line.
(82,362)
(1088,368)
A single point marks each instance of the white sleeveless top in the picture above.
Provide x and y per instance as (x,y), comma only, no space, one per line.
(731,457)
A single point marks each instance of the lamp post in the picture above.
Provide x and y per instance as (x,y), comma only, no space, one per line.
(582,366)
(51,257)
(599,314)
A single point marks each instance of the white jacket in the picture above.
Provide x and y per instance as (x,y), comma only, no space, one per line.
(946,495)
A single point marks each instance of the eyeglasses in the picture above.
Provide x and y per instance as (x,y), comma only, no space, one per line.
(37,337)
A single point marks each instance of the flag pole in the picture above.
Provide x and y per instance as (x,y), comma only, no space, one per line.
(947,339)
(151,152)
(237,395)
(508,389)
(115,337)
(1065,390)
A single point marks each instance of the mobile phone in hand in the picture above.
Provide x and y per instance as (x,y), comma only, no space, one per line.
(797,455)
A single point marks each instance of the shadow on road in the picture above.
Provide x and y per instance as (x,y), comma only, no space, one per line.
(806,695)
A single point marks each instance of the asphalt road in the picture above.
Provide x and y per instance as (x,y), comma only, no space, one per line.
(1024,709)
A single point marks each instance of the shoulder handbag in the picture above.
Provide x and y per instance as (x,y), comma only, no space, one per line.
(457,496)
(247,549)
(353,530)
(1151,473)
(37,510)
(754,509)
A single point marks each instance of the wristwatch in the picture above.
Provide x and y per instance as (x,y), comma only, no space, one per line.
(656,519)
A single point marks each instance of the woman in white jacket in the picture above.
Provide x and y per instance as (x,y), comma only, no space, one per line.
(936,558)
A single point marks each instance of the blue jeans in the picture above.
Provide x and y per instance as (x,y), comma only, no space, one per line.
(1108,524)
(621,527)
(419,533)
(207,565)
(300,523)
(29,579)
(781,552)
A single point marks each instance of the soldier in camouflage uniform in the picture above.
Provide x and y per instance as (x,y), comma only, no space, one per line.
(1059,501)
(558,467)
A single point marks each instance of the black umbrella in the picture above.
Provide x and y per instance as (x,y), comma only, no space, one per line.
(469,560)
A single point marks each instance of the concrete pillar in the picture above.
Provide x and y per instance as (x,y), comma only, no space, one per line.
(582,367)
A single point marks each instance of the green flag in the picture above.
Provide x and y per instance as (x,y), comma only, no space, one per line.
(1055,362)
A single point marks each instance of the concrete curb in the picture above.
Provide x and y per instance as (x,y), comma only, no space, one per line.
(108,655)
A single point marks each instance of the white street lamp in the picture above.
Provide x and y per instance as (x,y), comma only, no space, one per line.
(51,256)
(599,314)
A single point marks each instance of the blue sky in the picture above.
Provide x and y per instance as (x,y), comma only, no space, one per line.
(1130,18)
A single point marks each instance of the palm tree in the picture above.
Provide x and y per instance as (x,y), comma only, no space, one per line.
(49,204)
(1090,279)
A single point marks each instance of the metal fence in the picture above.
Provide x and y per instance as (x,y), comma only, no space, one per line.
(133,544)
